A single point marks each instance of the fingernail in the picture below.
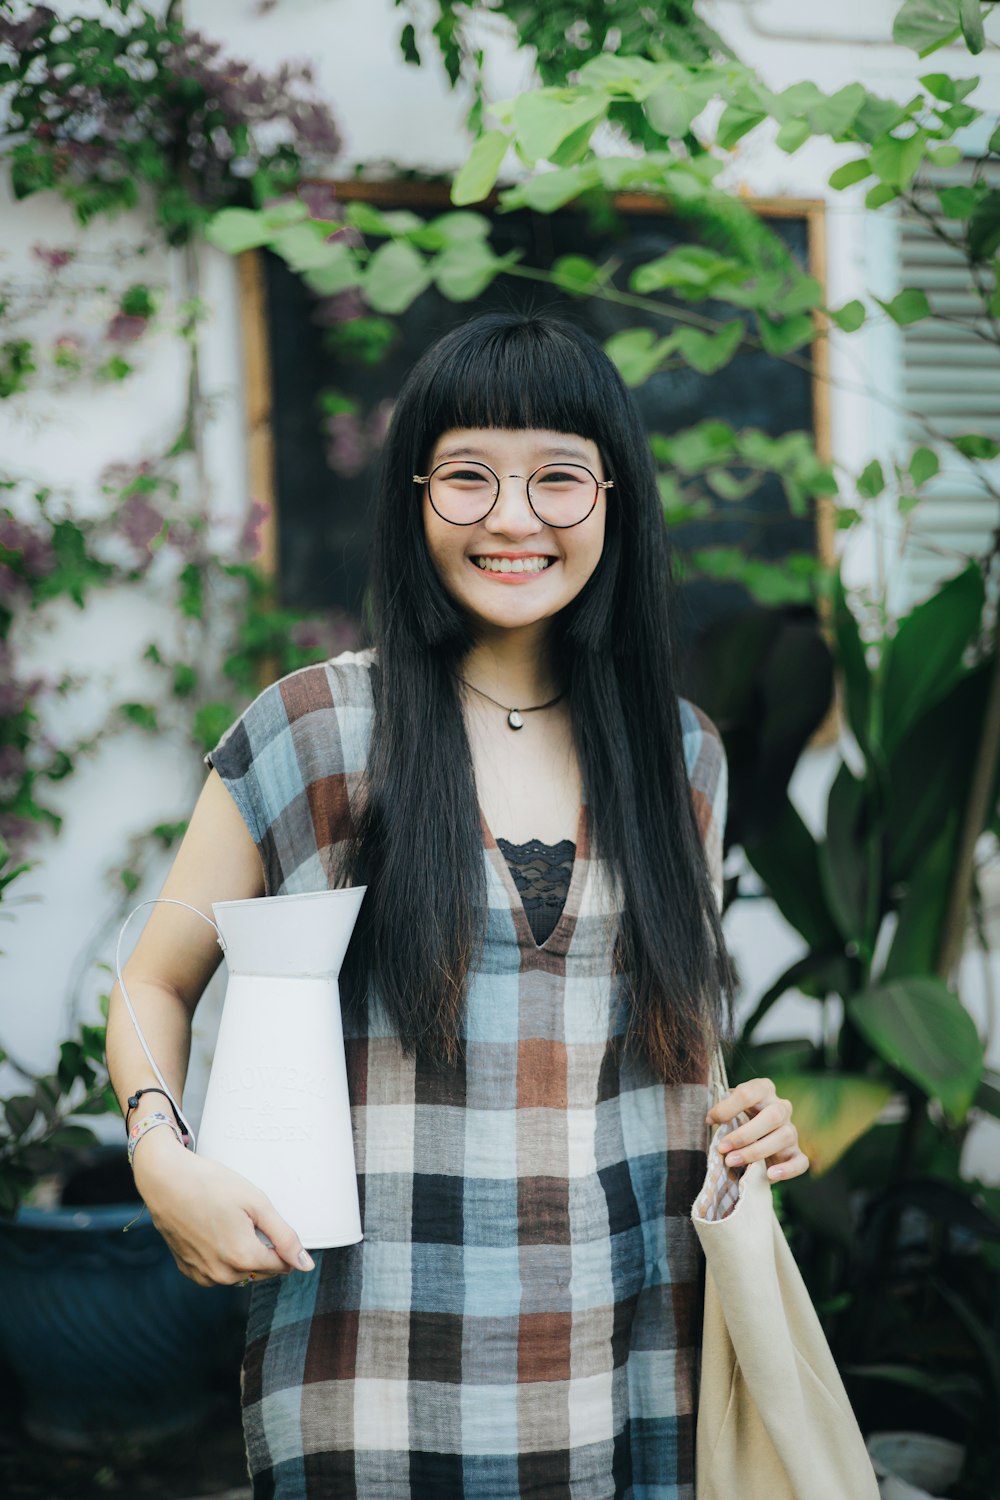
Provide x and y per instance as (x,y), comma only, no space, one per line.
(773,1172)
(734,1159)
(306,1261)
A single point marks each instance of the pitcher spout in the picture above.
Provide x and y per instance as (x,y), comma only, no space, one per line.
(303,935)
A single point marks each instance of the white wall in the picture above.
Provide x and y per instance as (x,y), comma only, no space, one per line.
(389,114)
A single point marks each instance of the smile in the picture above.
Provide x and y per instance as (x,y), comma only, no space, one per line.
(512,565)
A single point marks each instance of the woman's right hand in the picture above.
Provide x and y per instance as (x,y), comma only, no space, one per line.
(209,1216)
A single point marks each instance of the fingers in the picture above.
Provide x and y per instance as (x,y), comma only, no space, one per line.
(288,1250)
(767,1134)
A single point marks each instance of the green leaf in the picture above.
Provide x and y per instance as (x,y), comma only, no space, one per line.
(849,173)
(672,110)
(871,481)
(477,177)
(694,448)
(879,195)
(551,190)
(19,1112)
(848,857)
(926,25)
(957,202)
(467,268)
(234,230)
(974,445)
(575,274)
(853,665)
(924,658)
(395,277)
(210,724)
(736,122)
(984,227)
(708,352)
(850,317)
(831,1111)
(336,272)
(793,133)
(907,307)
(895,161)
(303,247)
(944,156)
(922,1028)
(781,336)
(637,353)
(142,714)
(787,861)
(924,464)
(544,118)
(408,45)
(971,19)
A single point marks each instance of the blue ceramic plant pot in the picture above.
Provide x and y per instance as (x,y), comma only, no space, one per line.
(108,1341)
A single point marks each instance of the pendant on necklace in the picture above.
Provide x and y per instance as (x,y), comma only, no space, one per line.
(514,719)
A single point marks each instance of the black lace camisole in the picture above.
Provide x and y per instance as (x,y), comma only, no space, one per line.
(542,875)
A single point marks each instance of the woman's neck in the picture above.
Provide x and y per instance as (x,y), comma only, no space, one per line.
(513,666)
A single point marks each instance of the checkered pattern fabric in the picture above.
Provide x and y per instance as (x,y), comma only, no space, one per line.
(522,1316)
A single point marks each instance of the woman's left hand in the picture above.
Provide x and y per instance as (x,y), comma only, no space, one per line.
(768,1134)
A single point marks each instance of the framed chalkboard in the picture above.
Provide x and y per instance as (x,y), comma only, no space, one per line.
(314,466)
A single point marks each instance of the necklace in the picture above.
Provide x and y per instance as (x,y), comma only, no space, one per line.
(514,719)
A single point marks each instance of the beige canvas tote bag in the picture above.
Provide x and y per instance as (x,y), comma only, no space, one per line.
(774,1421)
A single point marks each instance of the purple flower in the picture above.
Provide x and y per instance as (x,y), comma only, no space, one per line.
(343,307)
(139,521)
(55,259)
(125,329)
(250,539)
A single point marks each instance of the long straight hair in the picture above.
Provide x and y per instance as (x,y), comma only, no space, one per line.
(418,837)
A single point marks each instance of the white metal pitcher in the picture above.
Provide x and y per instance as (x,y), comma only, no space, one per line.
(277,1108)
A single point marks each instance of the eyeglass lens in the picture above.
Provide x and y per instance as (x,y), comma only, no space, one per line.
(560,494)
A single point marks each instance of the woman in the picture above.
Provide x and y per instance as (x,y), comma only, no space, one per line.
(534,987)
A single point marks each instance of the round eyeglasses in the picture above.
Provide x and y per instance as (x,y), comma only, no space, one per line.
(463,492)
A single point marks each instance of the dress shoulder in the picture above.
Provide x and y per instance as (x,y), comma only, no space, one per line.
(291,761)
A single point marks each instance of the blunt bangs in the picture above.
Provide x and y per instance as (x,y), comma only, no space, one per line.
(515,373)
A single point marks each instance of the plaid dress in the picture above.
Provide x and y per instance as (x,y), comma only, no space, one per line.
(521,1320)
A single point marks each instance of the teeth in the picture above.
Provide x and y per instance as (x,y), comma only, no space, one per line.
(508,565)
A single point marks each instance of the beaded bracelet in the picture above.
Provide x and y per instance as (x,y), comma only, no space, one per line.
(143,1126)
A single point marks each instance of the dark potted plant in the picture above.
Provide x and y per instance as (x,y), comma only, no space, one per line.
(90,1286)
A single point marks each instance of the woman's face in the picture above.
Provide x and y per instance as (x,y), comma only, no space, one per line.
(507,600)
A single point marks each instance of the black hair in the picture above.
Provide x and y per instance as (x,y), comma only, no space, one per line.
(418,836)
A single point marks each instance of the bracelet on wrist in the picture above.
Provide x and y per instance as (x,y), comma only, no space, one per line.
(144,1126)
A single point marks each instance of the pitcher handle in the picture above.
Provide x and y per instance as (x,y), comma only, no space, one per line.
(169,901)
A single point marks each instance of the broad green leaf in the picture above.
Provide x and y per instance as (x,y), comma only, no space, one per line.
(543,118)
(850,317)
(926,25)
(974,445)
(454,228)
(782,336)
(944,156)
(394,278)
(880,194)
(234,230)
(635,76)
(671,110)
(637,353)
(924,464)
(793,133)
(920,914)
(871,481)
(928,773)
(466,269)
(924,658)
(849,857)
(478,176)
(896,161)
(971,20)
(853,665)
(736,122)
(950,91)
(984,227)
(575,274)
(831,1111)
(728,487)
(708,352)
(835,114)
(303,247)
(802,295)
(849,173)
(957,202)
(691,269)
(920,1026)
(690,451)
(908,306)
(336,273)
(787,861)
(551,190)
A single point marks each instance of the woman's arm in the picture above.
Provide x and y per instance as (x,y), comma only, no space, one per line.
(207,1214)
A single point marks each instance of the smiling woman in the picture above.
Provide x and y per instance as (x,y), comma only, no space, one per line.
(536,981)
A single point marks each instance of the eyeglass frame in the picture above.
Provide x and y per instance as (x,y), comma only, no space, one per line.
(601,484)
